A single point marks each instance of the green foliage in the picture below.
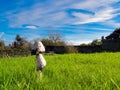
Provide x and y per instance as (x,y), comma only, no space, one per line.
(21,42)
(100,71)
(19,38)
(96,42)
(83,44)
(54,39)
(49,42)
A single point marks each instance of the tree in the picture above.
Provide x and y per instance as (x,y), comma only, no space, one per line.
(21,42)
(84,44)
(71,49)
(2,44)
(47,42)
(96,42)
(18,38)
(54,39)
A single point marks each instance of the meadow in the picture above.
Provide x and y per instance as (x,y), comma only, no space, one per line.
(98,71)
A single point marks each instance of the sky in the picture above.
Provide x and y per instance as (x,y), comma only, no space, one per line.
(77,21)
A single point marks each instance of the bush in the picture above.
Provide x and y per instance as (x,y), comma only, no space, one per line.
(71,49)
(14,52)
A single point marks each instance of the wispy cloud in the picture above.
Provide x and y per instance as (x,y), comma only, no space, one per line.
(94,5)
(55,13)
(1,34)
(77,42)
(31,27)
(112,23)
(100,16)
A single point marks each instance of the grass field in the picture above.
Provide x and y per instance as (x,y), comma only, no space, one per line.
(100,71)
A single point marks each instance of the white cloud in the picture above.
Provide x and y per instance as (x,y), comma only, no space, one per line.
(31,27)
(77,42)
(93,5)
(54,13)
(100,16)
(101,29)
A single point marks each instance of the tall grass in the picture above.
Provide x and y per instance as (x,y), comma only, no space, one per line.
(99,71)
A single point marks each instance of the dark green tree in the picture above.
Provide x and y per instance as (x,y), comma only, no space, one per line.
(96,42)
(21,42)
(47,42)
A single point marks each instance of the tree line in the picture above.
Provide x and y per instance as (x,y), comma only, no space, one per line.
(22,43)
(22,47)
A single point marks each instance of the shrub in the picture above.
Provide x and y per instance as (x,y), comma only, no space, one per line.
(71,49)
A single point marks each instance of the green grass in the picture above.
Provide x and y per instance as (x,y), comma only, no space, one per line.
(100,71)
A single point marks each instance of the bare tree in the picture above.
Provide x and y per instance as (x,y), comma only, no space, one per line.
(56,38)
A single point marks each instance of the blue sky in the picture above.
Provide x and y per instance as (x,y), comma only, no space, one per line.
(78,21)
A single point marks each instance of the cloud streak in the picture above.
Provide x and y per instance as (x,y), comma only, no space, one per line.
(100,16)
(55,13)
(1,34)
